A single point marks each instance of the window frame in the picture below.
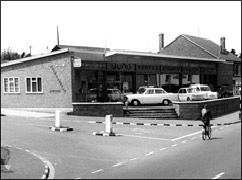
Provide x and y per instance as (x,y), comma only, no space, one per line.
(31,85)
(4,87)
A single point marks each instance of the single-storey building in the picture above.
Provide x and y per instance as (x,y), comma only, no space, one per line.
(72,74)
(228,74)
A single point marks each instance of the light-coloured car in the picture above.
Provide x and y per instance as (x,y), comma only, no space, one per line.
(115,95)
(203,88)
(190,94)
(151,96)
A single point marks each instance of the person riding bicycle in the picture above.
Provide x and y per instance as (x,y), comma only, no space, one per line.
(206,117)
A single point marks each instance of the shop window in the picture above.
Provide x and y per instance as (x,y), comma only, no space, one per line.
(11,85)
(34,85)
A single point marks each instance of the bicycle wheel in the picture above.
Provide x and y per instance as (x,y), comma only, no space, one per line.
(203,134)
(209,132)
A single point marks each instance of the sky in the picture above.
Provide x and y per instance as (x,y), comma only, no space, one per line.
(128,25)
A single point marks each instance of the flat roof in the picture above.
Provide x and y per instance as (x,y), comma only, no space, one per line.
(131,53)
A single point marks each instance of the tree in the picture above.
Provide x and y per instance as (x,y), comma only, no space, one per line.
(9,55)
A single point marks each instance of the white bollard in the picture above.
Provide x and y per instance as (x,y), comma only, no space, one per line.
(109,119)
(57,118)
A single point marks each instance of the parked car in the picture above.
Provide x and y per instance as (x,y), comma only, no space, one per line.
(190,94)
(203,88)
(151,96)
(224,92)
(115,95)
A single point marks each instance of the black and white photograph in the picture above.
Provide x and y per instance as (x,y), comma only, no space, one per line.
(120,89)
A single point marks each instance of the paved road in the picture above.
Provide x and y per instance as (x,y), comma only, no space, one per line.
(140,152)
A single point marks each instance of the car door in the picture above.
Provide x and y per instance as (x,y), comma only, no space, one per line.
(159,96)
(148,97)
(182,94)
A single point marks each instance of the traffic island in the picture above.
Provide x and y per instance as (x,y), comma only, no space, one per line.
(61,129)
(105,134)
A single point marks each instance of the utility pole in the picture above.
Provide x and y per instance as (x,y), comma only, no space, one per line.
(57,36)
(30,49)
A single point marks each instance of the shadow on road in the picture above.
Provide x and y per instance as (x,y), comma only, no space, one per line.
(215,138)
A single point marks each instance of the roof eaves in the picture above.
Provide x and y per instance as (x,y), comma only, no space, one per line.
(18,61)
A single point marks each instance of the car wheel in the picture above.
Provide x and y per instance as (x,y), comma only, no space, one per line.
(135,102)
(166,102)
(188,99)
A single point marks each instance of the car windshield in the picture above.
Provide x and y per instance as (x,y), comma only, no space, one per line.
(205,88)
(141,90)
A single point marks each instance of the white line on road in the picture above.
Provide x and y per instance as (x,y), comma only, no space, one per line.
(173,145)
(99,170)
(118,164)
(186,136)
(150,153)
(193,138)
(184,141)
(133,159)
(160,139)
(161,149)
(218,176)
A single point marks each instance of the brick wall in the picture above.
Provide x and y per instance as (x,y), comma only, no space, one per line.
(98,109)
(218,107)
(225,75)
(55,72)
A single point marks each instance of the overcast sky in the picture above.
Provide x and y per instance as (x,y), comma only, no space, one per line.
(120,25)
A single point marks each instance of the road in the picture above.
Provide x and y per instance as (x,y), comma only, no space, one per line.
(164,152)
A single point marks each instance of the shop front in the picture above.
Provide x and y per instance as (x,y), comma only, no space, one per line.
(110,79)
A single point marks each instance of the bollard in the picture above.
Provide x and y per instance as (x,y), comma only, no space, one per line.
(126,106)
(57,118)
(109,119)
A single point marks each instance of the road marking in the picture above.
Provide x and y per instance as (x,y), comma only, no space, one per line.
(160,139)
(133,159)
(99,170)
(193,138)
(173,145)
(163,148)
(219,175)
(184,141)
(118,164)
(150,153)
(192,134)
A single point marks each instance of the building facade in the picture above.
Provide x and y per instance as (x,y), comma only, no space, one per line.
(87,74)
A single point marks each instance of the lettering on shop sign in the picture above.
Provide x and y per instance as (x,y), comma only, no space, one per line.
(147,68)
(193,70)
(170,69)
(55,91)
(208,70)
(121,67)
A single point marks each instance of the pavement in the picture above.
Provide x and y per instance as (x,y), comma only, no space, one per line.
(17,163)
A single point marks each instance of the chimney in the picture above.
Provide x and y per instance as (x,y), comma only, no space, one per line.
(161,42)
(222,44)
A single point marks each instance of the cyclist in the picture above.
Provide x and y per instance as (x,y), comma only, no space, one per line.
(206,117)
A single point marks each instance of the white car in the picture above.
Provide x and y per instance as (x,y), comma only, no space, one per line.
(203,88)
(151,96)
(190,94)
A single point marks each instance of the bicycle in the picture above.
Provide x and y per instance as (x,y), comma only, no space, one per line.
(207,132)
